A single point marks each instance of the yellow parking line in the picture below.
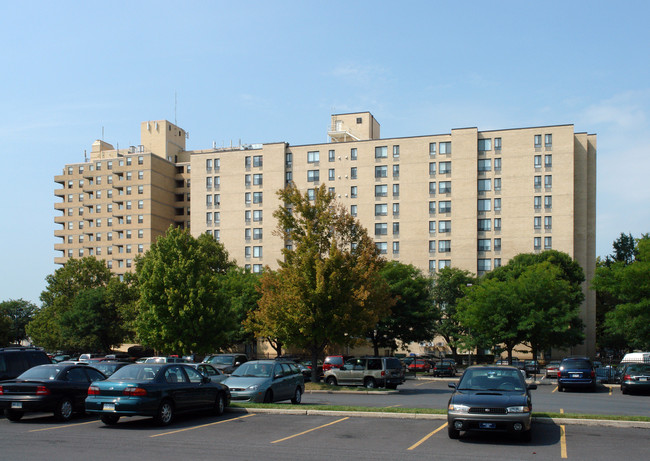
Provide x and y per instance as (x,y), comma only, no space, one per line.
(563,441)
(562,411)
(554,389)
(422,384)
(202,425)
(62,426)
(310,430)
(610,391)
(422,440)
(393,406)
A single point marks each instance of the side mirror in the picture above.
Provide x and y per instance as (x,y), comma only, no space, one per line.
(452,385)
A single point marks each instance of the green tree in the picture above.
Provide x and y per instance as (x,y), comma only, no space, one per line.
(625,249)
(182,306)
(20,313)
(63,287)
(328,290)
(242,288)
(449,286)
(5,329)
(628,285)
(412,317)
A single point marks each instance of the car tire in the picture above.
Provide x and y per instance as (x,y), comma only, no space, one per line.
(527,436)
(13,415)
(110,420)
(297,396)
(623,390)
(331,380)
(219,404)
(560,388)
(63,410)
(453,433)
(369,383)
(268,396)
(165,414)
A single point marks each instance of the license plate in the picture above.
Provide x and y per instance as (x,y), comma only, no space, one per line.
(487,425)
(109,407)
(16,404)
(576,375)
(643,379)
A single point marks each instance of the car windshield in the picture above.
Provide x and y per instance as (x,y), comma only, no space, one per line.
(222,360)
(638,369)
(491,380)
(138,373)
(254,370)
(41,373)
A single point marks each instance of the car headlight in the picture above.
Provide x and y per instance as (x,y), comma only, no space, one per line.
(459,408)
(519,409)
(254,387)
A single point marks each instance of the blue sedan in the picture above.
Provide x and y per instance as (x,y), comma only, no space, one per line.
(157,390)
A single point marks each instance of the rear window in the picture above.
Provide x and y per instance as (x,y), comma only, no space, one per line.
(334,360)
(42,372)
(641,369)
(393,363)
(577,364)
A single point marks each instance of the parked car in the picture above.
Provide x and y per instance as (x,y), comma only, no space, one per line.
(212,372)
(420,365)
(165,360)
(576,372)
(552,369)
(334,361)
(444,368)
(16,360)
(160,390)
(108,367)
(227,363)
(367,371)
(490,398)
(635,377)
(266,381)
(59,388)
(531,367)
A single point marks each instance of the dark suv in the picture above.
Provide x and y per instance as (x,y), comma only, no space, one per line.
(576,372)
(15,360)
(226,363)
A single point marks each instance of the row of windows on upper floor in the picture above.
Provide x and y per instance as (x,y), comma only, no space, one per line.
(110,250)
(97,180)
(92,195)
(97,236)
(126,205)
(119,221)
(108,164)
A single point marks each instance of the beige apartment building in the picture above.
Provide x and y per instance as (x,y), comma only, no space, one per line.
(469,199)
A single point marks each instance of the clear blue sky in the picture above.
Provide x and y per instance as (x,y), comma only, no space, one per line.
(275,71)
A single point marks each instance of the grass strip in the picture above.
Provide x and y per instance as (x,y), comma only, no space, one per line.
(327,387)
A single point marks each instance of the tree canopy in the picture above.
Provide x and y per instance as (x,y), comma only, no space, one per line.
(20,313)
(182,306)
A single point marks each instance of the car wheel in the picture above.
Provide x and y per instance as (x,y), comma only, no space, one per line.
(110,420)
(527,436)
(623,390)
(297,397)
(63,410)
(331,380)
(268,397)
(453,433)
(13,415)
(560,388)
(219,404)
(370,383)
(165,413)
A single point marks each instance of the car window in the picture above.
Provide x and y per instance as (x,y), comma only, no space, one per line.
(222,360)
(94,375)
(577,364)
(334,360)
(41,373)
(76,375)
(175,375)
(393,363)
(286,369)
(254,369)
(374,364)
(294,368)
(638,369)
(193,375)
(207,370)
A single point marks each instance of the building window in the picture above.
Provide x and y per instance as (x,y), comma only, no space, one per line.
(548,222)
(311,194)
(381,171)
(257,179)
(432,187)
(247,252)
(484,265)
(538,182)
(537,222)
(381,190)
(247,198)
(548,243)
(484,185)
(208,182)
(484,144)
(497,224)
(257,197)
(432,265)
(313,157)
(247,216)
(382,247)
(444,167)
(288,159)
(497,184)
(432,207)
(484,224)
(548,140)
(538,161)
(538,140)
(381,152)
(548,160)
(395,248)
(497,204)
(497,143)
(331,175)
(432,168)
(444,187)
(331,155)
(208,200)
(257,233)
(140,233)
(485,164)
(353,191)
(548,202)
(257,252)
(432,227)
(257,215)
(444,263)
(353,210)
(395,228)
(208,164)
(484,244)
(395,190)
(548,181)
(497,244)
(537,202)
(395,171)
(497,164)
(353,153)
(381,228)
(395,151)
(381,209)
(353,172)
(432,148)
(444,206)
(444,246)
(537,243)
(445,147)
(484,204)
(313,175)
(444,226)
(432,246)
(257,160)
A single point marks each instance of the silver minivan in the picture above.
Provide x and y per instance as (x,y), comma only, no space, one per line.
(367,371)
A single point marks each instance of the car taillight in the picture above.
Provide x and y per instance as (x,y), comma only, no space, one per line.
(134,392)
(593,374)
(559,374)
(42,390)
(1,390)
(383,373)
(93,390)
(625,378)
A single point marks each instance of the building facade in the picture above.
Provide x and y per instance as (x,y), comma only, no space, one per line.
(469,199)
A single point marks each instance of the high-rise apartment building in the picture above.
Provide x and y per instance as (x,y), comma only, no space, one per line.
(469,199)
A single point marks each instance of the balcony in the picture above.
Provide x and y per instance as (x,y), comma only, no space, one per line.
(338,133)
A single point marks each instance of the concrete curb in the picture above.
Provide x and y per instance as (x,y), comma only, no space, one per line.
(426,416)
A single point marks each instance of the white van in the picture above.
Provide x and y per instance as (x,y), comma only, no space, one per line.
(636,357)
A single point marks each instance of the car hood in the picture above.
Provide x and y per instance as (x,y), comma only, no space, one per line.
(489,398)
(244,381)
